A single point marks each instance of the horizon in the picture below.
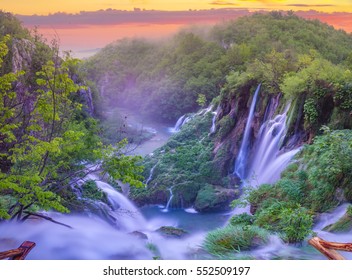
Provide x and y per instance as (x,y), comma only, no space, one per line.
(86,31)
(36,6)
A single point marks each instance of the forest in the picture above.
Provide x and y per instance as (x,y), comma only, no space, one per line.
(258,118)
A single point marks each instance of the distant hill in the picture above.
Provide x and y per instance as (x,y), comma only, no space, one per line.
(164,79)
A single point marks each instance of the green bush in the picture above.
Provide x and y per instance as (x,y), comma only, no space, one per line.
(234,239)
(291,220)
(242,219)
(295,223)
(206,197)
(257,196)
(292,189)
(91,191)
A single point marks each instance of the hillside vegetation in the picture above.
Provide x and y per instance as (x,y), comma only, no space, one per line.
(47,133)
(165,79)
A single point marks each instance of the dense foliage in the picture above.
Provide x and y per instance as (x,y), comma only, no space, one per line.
(46,136)
(166,79)
(185,164)
(317,182)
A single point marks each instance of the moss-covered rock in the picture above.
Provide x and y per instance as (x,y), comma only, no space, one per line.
(186,164)
(214,198)
(169,231)
(344,224)
(150,195)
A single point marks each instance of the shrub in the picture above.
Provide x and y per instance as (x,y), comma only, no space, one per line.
(242,219)
(90,190)
(257,196)
(291,220)
(234,239)
(295,224)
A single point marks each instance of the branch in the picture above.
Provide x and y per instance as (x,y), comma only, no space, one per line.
(46,218)
(20,253)
(327,248)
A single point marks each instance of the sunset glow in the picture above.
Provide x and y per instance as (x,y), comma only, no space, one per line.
(44,7)
(84,26)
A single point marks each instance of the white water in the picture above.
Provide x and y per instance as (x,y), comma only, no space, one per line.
(150,175)
(242,157)
(329,218)
(93,238)
(166,209)
(191,210)
(213,122)
(187,117)
(126,213)
(269,160)
(180,122)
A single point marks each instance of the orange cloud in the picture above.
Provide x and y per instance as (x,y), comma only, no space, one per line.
(87,31)
(223,3)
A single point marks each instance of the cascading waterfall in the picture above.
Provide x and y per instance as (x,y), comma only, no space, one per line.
(186,120)
(125,212)
(166,209)
(268,160)
(213,122)
(187,117)
(150,175)
(93,238)
(241,160)
(178,124)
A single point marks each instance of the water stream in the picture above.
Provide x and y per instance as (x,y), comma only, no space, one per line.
(213,122)
(166,209)
(150,175)
(94,238)
(242,157)
(268,157)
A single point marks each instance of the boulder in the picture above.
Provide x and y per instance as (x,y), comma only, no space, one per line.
(169,231)
(214,198)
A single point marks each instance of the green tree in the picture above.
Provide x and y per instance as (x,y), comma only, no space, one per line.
(43,146)
(201,100)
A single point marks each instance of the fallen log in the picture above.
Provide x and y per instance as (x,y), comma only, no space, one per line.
(20,253)
(328,248)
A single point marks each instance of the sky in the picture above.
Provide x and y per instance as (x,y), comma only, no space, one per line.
(43,7)
(84,26)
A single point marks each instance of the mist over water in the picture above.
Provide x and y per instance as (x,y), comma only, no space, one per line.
(269,159)
(94,238)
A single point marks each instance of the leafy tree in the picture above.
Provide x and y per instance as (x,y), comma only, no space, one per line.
(201,100)
(44,142)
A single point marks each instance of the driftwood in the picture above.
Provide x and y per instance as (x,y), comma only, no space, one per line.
(328,248)
(20,253)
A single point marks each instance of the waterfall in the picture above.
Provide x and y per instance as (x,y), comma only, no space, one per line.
(178,124)
(241,160)
(166,209)
(269,160)
(150,175)
(213,125)
(126,213)
(187,117)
